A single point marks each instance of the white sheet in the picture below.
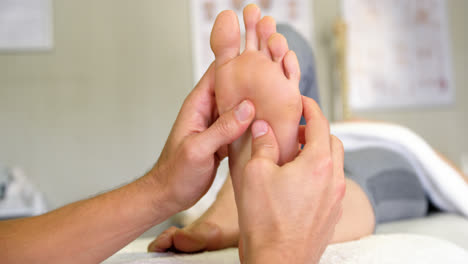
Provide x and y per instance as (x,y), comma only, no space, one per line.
(379,249)
(450,227)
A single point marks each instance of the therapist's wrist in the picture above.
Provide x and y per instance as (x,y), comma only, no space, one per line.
(158,197)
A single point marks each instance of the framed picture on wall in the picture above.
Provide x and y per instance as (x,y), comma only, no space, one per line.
(25,25)
(398,54)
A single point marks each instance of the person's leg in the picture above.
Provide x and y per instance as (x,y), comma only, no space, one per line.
(358,218)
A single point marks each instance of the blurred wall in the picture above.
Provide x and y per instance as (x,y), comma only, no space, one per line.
(94,112)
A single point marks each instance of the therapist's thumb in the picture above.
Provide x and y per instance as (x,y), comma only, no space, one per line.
(264,143)
(227,128)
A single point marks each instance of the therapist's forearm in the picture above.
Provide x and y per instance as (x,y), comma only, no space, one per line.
(87,231)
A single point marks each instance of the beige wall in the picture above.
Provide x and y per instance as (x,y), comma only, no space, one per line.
(94,112)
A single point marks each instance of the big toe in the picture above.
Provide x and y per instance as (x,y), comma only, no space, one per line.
(204,236)
(225,37)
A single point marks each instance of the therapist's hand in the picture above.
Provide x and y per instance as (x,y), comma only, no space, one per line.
(288,214)
(196,145)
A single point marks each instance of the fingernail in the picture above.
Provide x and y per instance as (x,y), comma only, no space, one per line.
(243,111)
(259,128)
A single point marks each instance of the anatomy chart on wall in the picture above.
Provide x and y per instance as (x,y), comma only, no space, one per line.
(398,53)
(297,13)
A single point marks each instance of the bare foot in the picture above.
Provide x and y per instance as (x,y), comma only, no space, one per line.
(268,74)
(217,228)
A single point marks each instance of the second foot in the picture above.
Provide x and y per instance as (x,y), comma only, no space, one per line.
(216,229)
(194,238)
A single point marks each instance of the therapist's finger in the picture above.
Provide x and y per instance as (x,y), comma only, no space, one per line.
(264,144)
(226,129)
(207,80)
(317,132)
(338,167)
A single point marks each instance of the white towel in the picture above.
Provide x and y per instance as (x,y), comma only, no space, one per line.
(395,248)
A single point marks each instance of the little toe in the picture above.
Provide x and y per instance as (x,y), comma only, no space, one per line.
(291,66)
(278,46)
(265,28)
(251,17)
(225,37)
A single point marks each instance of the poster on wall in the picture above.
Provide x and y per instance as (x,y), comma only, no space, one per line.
(398,54)
(297,13)
(25,25)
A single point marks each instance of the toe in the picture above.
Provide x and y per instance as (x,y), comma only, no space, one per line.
(225,37)
(278,46)
(291,66)
(163,242)
(251,17)
(265,28)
